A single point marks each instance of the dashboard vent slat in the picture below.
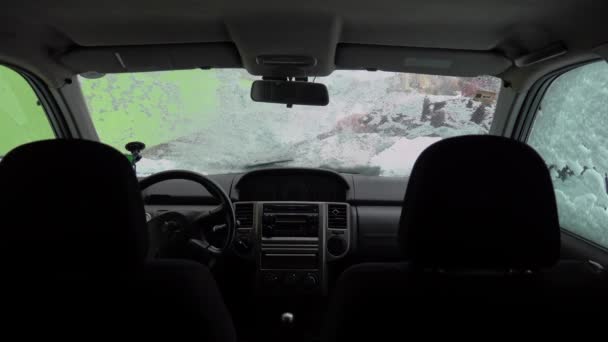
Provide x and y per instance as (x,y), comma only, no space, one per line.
(291,208)
(244,214)
(337,216)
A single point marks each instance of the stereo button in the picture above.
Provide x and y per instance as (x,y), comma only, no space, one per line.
(268,231)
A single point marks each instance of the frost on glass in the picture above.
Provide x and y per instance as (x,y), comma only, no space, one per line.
(571,133)
(376,123)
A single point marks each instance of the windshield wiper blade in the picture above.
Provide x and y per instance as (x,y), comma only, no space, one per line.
(268,163)
(355,170)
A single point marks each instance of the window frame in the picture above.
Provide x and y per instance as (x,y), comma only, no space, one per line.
(525,121)
(50,107)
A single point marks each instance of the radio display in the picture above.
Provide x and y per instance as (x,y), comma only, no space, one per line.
(290,220)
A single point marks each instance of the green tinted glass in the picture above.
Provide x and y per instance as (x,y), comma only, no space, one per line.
(22,118)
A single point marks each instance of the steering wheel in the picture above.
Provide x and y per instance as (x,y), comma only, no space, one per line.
(171,233)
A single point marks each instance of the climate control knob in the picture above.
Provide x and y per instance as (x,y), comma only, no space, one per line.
(291,279)
(336,246)
(271,279)
(310,281)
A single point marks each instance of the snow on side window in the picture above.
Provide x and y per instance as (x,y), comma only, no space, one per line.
(570,132)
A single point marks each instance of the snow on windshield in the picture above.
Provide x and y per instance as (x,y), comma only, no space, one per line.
(376,123)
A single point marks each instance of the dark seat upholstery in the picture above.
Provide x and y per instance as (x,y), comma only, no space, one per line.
(73,253)
(480,236)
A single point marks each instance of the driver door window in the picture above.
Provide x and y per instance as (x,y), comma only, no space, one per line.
(22,117)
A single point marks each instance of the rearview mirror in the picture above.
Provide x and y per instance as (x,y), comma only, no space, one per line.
(290,92)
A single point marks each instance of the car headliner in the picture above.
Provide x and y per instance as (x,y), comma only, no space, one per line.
(468,37)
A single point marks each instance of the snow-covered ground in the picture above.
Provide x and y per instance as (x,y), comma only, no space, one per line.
(370,124)
(399,159)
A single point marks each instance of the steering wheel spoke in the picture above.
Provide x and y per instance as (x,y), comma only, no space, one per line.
(212,215)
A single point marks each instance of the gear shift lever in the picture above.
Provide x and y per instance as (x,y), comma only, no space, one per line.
(287,319)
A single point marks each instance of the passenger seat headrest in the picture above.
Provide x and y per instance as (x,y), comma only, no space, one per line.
(71,204)
(480,202)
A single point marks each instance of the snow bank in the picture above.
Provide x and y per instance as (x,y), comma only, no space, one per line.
(146,166)
(399,159)
(343,150)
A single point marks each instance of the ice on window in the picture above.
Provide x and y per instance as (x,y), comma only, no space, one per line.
(376,123)
(571,133)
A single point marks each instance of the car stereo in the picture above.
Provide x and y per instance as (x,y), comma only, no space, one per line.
(294,241)
(290,220)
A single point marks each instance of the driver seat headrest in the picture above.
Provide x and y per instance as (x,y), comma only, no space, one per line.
(480,202)
(69,204)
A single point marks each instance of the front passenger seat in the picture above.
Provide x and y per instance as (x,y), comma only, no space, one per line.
(480,236)
(72,253)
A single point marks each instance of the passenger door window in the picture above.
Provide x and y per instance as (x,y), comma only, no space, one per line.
(22,117)
(570,132)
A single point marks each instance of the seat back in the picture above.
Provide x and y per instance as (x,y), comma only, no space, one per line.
(480,202)
(480,235)
(73,253)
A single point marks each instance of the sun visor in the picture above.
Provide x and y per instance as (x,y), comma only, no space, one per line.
(420,60)
(151,58)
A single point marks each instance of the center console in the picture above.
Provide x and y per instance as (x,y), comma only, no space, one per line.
(292,242)
(291,248)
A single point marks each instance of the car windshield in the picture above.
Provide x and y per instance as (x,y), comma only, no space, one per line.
(377,123)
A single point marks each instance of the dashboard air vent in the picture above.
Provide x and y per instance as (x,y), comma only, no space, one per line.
(291,208)
(337,216)
(244,214)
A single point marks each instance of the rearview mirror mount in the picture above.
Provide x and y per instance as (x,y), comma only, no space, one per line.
(290,92)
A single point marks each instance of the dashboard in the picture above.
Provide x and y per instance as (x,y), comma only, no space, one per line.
(291,185)
(299,221)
